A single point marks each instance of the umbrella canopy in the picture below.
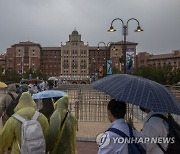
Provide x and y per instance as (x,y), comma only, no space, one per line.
(3,85)
(52,78)
(48,94)
(139,91)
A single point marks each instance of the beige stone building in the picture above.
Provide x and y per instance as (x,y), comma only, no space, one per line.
(75,60)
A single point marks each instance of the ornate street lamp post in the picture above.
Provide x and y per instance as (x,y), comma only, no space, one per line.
(106,50)
(94,69)
(125,33)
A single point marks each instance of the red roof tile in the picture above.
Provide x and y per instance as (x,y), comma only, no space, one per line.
(166,56)
(51,48)
(27,43)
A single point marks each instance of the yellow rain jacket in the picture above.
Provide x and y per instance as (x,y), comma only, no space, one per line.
(62,140)
(11,132)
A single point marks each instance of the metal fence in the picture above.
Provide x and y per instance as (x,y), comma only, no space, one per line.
(88,104)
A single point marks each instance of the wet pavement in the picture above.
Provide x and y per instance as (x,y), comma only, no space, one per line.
(86,135)
(87,148)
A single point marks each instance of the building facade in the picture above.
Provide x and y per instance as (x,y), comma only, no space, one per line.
(74,61)
(99,57)
(97,61)
(23,56)
(3,63)
(51,61)
(160,60)
(117,56)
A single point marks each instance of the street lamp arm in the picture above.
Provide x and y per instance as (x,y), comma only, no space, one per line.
(101,43)
(138,27)
(109,44)
(125,32)
(132,19)
(111,29)
(106,45)
(106,50)
(117,19)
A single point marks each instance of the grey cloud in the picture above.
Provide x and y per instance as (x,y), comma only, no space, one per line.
(50,22)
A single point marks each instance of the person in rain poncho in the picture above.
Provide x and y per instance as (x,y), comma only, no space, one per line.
(11,132)
(62,139)
(7,99)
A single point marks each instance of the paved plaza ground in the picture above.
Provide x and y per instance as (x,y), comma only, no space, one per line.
(87,148)
(87,133)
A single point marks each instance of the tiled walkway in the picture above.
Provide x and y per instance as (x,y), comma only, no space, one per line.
(87,131)
(87,147)
(86,135)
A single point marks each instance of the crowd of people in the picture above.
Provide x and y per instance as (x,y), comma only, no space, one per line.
(59,130)
(35,87)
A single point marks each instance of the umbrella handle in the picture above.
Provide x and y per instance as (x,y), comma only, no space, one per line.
(52,102)
(130,112)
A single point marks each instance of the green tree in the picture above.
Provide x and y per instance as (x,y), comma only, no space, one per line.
(11,76)
(116,71)
(34,74)
(166,75)
(146,72)
(40,74)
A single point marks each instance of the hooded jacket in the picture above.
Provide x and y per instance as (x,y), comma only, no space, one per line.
(62,140)
(11,132)
(7,99)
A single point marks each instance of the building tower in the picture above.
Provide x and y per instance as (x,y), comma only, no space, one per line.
(75,60)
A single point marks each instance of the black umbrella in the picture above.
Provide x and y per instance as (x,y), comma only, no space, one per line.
(139,91)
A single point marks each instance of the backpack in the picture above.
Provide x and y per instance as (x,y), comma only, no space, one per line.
(174,131)
(32,138)
(133,148)
(10,108)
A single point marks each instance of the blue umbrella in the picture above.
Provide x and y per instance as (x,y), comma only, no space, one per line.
(48,94)
(139,91)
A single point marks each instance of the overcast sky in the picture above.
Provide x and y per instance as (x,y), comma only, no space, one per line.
(49,22)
